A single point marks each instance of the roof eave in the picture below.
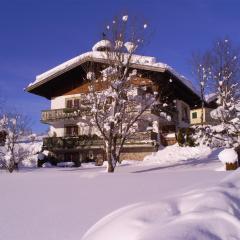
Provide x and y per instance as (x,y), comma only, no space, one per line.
(60,72)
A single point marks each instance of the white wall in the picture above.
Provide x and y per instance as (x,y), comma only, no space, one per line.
(59,130)
(179,105)
(58,127)
(84,129)
(59,102)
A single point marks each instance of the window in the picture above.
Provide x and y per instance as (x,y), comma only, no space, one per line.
(69,103)
(76,103)
(71,131)
(73,103)
(194,115)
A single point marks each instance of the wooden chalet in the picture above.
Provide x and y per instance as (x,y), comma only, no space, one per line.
(66,87)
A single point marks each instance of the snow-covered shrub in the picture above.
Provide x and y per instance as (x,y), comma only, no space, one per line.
(216,136)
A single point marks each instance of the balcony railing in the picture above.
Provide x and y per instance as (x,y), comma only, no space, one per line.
(54,143)
(63,113)
(51,143)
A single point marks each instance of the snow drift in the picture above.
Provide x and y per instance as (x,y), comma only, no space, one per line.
(175,153)
(212,213)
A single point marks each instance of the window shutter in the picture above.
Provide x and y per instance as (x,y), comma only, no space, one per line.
(76,103)
(69,103)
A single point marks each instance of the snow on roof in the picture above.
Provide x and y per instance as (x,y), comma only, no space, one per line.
(210,97)
(102,44)
(139,61)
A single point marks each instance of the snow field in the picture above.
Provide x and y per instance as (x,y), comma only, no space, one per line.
(63,203)
(211,213)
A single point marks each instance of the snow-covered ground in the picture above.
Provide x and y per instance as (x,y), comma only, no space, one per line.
(209,213)
(63,203)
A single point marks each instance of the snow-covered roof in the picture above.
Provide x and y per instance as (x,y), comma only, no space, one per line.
(138,61)
(102,44)
(210,97)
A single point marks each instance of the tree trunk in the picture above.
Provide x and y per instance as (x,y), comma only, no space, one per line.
(109,155)
(202,106)
(110,166)
(11,167)
(16,166)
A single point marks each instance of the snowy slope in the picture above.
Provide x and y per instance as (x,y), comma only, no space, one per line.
(211,213)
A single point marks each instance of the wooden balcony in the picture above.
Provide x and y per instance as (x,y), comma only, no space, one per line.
(83,141)
(61,143)
(63,113)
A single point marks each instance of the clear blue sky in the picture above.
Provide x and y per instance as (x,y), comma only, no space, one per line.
(38,35)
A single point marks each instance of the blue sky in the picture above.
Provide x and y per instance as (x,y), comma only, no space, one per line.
(38,35)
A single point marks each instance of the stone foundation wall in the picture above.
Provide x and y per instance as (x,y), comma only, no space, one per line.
(134,156)
(136,153)
(129,153)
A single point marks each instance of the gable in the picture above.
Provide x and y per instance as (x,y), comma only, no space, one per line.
(72,81)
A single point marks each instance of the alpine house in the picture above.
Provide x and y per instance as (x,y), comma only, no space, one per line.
(71,137)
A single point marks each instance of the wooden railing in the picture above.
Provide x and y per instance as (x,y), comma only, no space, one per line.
(57,114)
(52,143)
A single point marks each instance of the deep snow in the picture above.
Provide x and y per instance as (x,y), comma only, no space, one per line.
(210,213)
(63,203)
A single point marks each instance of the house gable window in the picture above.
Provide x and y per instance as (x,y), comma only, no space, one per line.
(194,115)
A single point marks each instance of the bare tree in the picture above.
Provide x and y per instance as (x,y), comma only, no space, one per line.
(201,64)
(223,63)
(15,126)
(117,102)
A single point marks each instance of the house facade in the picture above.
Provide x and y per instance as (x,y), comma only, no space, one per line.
(197,113)
(66,86)
(196,116)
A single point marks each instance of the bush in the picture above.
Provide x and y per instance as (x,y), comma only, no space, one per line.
(180,137)
(189,139)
